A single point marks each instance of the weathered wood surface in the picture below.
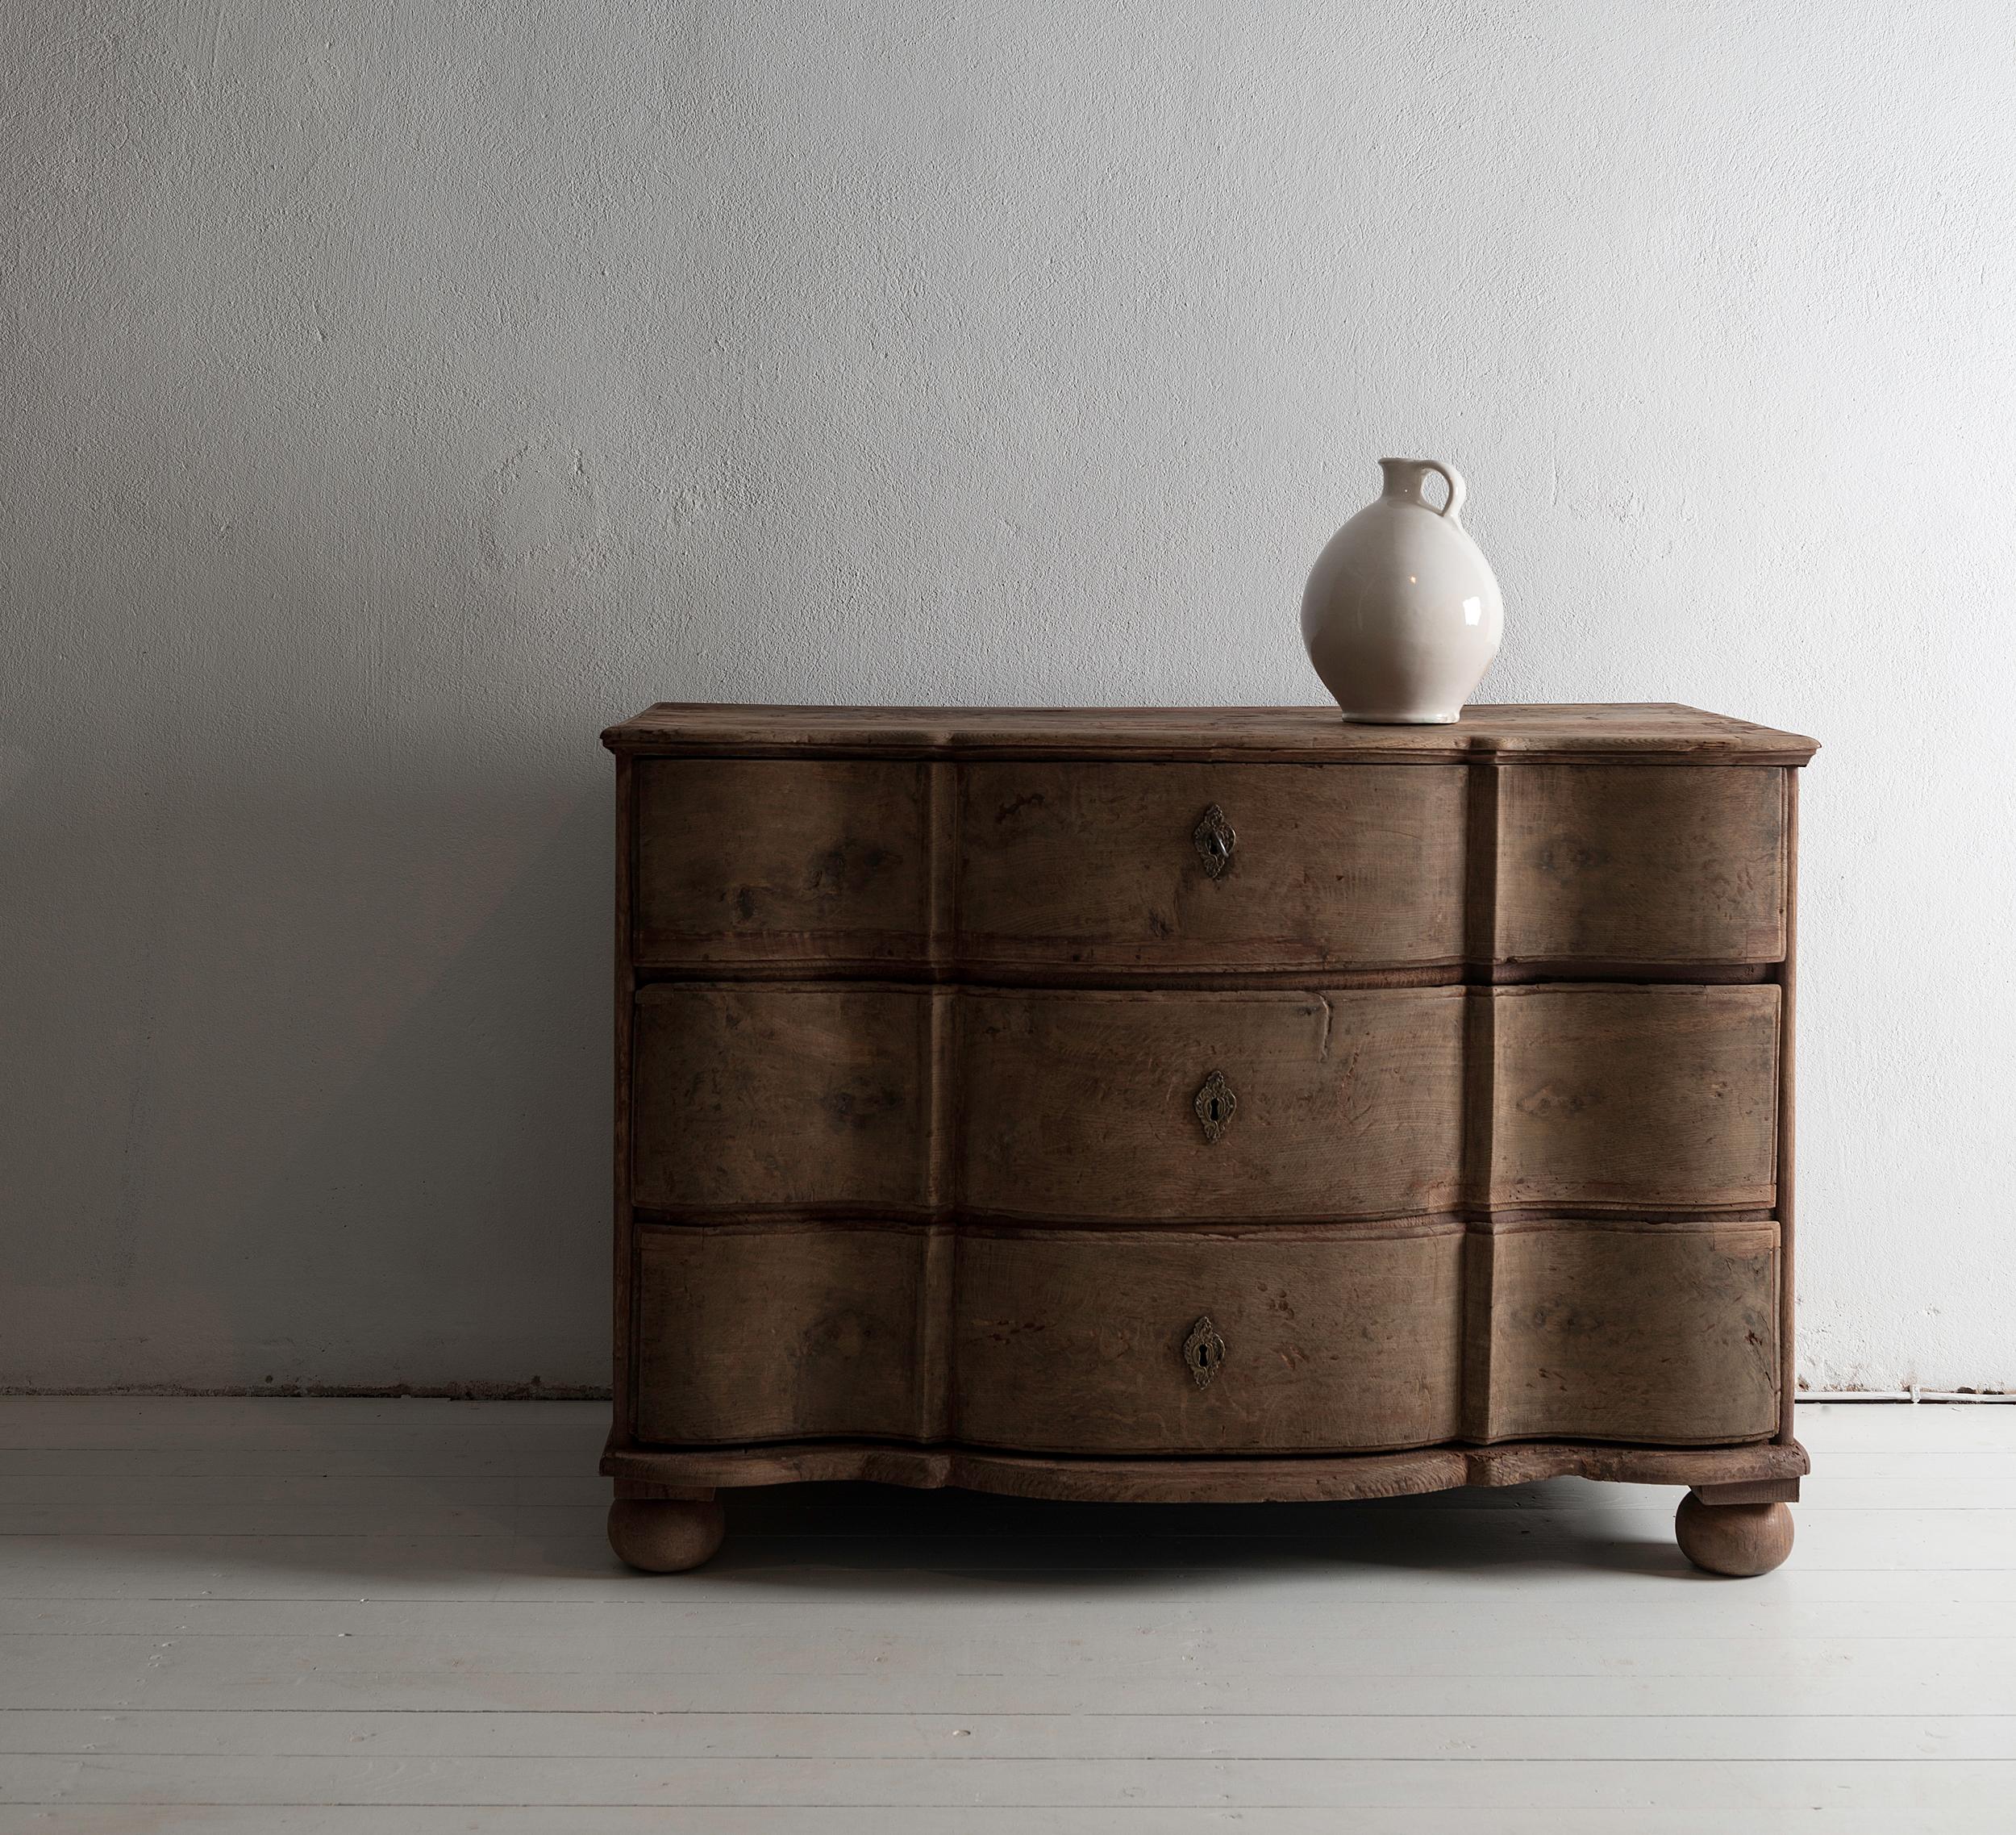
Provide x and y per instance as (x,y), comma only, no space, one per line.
(1338,865)
(1069,870)
(665,1535)
(1627,1331)
(1633,1097)
(1787,1203)
(1305,1478)
(1738,1540)
(757,1095)
(1082,1105)
(1074,1341)
(820,861)
(624,1270)
(1051,1104)
(1752,1490)
(1381,1335)
(1640,863)
(1621,731)
(782,1332)
(905,1166)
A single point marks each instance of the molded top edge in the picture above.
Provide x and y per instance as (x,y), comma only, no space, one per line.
(1652,731)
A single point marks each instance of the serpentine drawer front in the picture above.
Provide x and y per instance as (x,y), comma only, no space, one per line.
(1140,1105)
(1061,870)
(1277,1338)
(1067,1102)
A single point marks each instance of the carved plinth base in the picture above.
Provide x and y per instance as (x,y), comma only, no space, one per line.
(1736,1539)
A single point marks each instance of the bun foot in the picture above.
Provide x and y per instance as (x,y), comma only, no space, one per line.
(664,1535)
(1736,1539)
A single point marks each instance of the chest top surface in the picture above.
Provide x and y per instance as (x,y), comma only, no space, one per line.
(1642,731)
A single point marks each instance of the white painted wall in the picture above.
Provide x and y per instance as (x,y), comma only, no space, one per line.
(393,393)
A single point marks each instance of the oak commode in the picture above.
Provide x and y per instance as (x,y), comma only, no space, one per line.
(1217,1104)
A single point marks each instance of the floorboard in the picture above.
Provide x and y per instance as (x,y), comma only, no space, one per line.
(400,1618)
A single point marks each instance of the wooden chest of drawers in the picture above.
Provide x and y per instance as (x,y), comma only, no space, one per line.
(1214,1104)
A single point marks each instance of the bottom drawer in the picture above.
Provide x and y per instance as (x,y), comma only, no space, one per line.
(1267,1339)
(754,1332)
(1177,1340)
(1612,1330)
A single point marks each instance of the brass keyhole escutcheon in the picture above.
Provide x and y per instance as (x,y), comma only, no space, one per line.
(1214,1104)
(1203,1351)
(1214,839)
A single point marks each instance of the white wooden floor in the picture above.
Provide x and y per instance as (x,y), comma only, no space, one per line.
(401,1619)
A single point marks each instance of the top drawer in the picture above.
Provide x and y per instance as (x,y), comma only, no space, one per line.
(1211,868)
(817,862)
(1084,869)
(1639,864)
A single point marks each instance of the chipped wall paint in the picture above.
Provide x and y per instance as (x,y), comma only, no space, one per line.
(392,395)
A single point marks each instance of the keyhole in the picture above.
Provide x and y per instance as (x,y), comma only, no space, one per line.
(1203,1351)
(1215,1103)
(1212,837)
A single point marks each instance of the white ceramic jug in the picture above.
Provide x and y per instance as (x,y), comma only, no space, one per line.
(1401,615)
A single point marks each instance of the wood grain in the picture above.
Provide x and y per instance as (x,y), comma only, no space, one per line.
(1332,867)
(916,1006)
(1630,731)
(825,866)
(1637,863)
(1631,1098)
(1754,1490)
(1081,1105)
(1250,1479)
(767,1094)
(1738,1540)
(623,1328)
(1073,1342)
(1787,1203)
(812,861)
(1664,1333)
(664,1535)
(779,1331)
(1056,1105)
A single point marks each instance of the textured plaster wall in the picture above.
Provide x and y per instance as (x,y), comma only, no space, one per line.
(391,394)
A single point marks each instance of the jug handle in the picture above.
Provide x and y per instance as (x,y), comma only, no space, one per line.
(1454,479)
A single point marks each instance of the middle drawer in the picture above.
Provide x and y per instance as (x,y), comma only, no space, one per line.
(1114,1105)
(1047,1104)
(1109,1106)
